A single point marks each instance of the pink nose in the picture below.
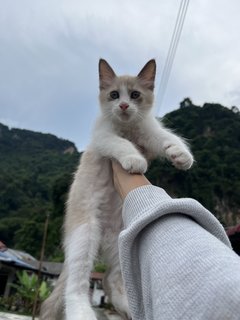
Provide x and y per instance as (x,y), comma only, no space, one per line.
(124,106)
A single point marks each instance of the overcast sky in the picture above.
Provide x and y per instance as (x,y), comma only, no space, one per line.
(49,53)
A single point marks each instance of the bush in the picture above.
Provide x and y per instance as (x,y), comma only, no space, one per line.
(27,288)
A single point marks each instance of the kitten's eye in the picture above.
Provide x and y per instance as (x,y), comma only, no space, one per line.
(135,95)
(114,94)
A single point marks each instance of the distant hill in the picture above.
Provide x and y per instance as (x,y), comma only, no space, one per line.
(36,171)
(213,133)
(33,168)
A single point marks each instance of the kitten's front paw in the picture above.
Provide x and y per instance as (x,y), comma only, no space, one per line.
(81,313)
(134,164)
(180,157)
(120,303)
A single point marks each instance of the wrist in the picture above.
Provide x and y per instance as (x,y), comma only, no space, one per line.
(125,182)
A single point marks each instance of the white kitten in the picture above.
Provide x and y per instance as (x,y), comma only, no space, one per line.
(127,132)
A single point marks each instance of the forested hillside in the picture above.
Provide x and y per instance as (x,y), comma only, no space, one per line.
(213,133)
(36,171)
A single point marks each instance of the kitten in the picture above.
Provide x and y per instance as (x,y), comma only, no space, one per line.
(127,132)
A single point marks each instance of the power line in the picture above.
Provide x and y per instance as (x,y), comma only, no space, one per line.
(171,52)
(172,49)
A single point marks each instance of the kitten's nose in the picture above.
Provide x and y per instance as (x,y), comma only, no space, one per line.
(124,106)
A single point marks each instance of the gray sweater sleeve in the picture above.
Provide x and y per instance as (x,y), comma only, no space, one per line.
(176,260)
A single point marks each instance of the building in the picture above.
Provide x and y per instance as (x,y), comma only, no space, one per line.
(12,261)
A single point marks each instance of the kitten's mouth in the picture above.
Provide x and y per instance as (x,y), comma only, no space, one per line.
(125,116)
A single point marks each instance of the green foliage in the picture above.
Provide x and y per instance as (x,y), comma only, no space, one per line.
(213,133)
(44,291)
(37,172)
(100,267)
(27,288)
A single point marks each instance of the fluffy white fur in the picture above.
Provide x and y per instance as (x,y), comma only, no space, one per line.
(127,132)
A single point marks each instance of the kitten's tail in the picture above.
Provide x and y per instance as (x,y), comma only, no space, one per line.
(53,307)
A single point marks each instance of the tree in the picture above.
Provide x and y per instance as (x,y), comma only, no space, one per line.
(186,103)
(235,109)
(27,287)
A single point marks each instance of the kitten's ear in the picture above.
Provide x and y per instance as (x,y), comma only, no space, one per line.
(147,74)
(106,74)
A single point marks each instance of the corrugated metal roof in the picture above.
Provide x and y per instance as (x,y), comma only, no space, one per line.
(23,260)
(8,257)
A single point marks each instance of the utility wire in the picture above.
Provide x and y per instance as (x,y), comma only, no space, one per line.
(172,49)
(171,52)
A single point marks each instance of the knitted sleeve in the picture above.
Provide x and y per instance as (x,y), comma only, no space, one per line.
(176,259)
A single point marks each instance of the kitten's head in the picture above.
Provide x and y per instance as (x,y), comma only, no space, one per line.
(126,98)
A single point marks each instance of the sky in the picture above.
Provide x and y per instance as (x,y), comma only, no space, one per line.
(49,52)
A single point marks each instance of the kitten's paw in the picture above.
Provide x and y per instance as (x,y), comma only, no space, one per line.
(82,314)
(180,157)
(119,300)
(134,164)
(79,310)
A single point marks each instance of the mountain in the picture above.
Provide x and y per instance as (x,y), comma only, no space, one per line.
(213,133)
(35,167)
(36,172)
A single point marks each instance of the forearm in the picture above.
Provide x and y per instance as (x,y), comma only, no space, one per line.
(175,257)
(158,138)
(125,182)
(111,146)
(149,213)
(186,272)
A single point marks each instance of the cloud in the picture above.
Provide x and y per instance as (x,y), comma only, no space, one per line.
(50,50)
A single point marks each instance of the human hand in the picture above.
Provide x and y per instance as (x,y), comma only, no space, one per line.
(125,182)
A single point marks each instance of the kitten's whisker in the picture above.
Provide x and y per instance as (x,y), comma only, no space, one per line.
(140,116)
(107,115)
